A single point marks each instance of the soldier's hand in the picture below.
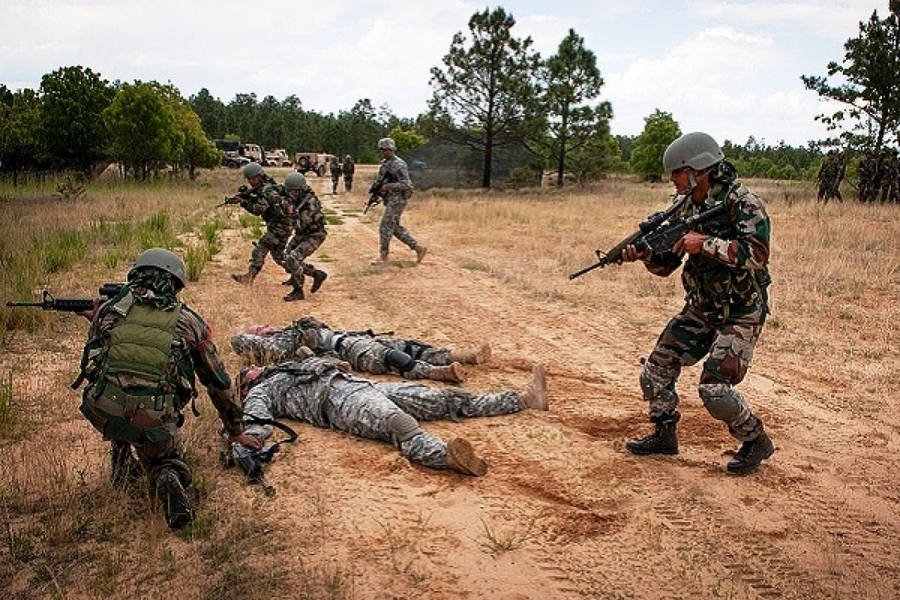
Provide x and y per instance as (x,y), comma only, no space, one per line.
(691,242)
(243,438)
(89,314)
(631,254)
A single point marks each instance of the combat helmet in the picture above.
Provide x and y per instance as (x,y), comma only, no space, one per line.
(387,144)
(164,260)
(295,181)
(252,170)
(696,150)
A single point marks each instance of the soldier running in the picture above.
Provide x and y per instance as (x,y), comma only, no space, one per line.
(395,187)
(309,233)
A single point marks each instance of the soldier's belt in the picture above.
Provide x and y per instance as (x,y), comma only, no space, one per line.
(118,402)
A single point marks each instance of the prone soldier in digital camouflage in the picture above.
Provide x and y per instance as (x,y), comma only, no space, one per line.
(266,200)
(395,187)
(412,359)
(726,280)
(348,169)
(309,233)
(335,169)
(144,349)
(318,391)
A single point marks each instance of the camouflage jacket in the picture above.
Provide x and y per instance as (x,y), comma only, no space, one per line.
(348,168)
(728,278)
(335,170)
(308,216)
(193,342)
(395,174)
(274,206)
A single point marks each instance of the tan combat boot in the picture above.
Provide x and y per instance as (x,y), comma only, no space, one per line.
(420,252)
(534,396)
(382,259)
(461,457)
(452,373)
(472,357)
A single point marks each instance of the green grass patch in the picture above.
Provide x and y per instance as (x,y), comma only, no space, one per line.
(8,416)
(322,257)
(248,220)
(60,249)
(334,220)
(195,259)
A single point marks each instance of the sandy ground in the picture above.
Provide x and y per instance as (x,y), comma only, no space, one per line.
(564,511)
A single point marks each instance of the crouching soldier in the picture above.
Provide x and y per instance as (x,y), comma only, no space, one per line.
(144,348)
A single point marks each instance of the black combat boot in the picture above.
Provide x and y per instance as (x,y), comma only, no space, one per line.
(288,281)
(296,294)
(126,470)
(751,454)
(318,276)
(662,441)
(175,503)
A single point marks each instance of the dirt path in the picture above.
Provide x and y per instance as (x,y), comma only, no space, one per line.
(564,511)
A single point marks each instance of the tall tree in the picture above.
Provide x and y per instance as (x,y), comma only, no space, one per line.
(660,130)
(211,112)
(74,134)
(568,80)
(20,128)
(869,87)
(484,97)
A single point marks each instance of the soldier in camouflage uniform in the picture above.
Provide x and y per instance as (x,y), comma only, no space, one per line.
(318,391)
(889,174)
(143,352)
(395,187)
(335,168)
(829,176)
(309,233)
(348,169)
(267,200)
(726,279)
(412,359)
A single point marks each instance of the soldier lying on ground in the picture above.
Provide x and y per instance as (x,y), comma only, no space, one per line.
(412,359)
(318,391)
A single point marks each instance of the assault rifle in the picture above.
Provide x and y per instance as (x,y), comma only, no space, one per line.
(659,232)
(250,460)
(48,302)
(368,333)
(375,192)
(243,193)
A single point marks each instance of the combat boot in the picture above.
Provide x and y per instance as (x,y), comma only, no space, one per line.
(472,357)
(318,277)
(452,373)
(420,252)
(288,281)
(751,454)
(244,278)
(296,294)
(126,470)
(175,503)
(662,441)
(461,457)
(382,259)
(534,396)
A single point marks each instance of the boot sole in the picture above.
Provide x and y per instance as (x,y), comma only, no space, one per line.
(641,452)
(176,506)
(461,457)
(749,468)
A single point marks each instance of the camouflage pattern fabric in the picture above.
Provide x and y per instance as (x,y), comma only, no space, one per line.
(829,177)
(395,199)
(272,204)
(309,231)
(335,176)
(439,357)
(336,400)
(348,169)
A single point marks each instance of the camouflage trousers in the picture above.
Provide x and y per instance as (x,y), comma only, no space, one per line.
(298,249)
(390,224)
(334,183)
(348,182)
(728,346)
(366,410)
(269,243)
(370,356)
(439,357)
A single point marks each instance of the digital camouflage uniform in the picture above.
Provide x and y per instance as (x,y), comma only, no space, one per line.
(726,306)
(126,360)
(269,201)
(395,175)
(364,352)
(348,169)
(829,177)
(316,391)
(309,232)
(335,168)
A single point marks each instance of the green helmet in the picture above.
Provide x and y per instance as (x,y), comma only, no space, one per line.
(387,144)
(695,150)
(164,260)
(252,170)
(295,181)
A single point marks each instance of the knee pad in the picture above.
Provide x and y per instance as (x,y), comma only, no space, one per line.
(403,427)
(399,360)
(722,402)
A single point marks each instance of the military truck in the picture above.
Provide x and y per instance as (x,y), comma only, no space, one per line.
(278,158)
(316,162)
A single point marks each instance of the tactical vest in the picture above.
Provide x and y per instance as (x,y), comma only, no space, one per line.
(143,344)
(712,285)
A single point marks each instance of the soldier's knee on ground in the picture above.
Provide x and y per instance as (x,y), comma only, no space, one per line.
(723,403)
(399,360)
(403,427)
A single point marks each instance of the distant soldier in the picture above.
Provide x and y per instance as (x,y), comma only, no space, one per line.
(335,168)
(412,359)
(395,187)
(309,233)
(265,200)
(830,175)
(889,169)
(144,349)
(318,391)
(348,168)
(867,172)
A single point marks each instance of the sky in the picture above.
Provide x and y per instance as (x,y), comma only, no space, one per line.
(730,68)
